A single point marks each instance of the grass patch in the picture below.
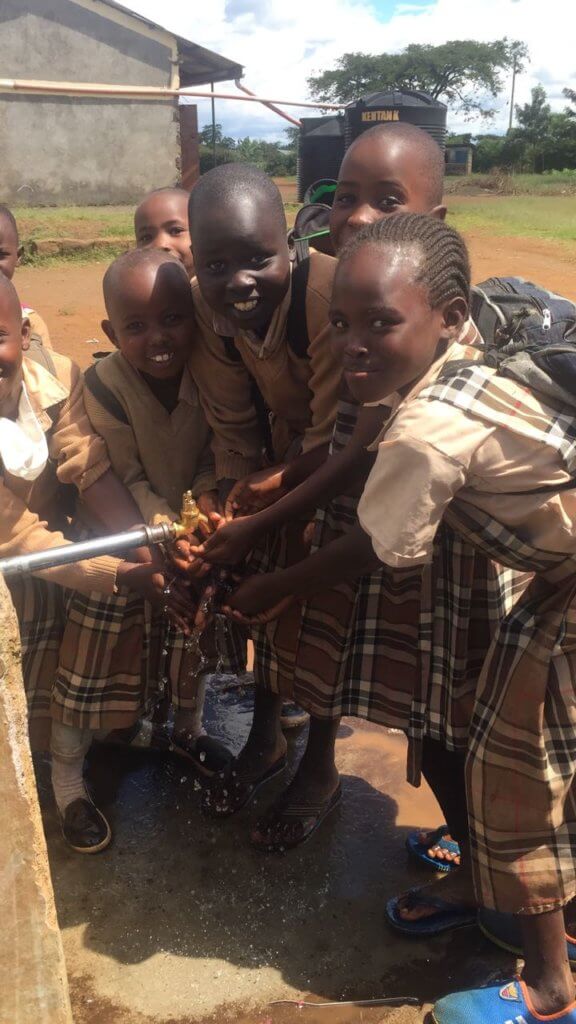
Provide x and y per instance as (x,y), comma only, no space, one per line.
(74,222)
(554,183)
(551,217)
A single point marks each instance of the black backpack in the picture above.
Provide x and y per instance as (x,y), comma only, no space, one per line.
(529,334)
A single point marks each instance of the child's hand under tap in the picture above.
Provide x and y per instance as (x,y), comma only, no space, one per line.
(256,492)
(258,600)
(229,544)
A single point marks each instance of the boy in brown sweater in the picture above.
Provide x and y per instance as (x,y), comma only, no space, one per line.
(269,385)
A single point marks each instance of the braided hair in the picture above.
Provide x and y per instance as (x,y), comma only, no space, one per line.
(444,262)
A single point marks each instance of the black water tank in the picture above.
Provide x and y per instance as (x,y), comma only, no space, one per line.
(320,150)
(406,105)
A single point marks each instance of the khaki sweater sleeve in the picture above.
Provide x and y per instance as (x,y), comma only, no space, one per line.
(225,389)
(22,532)
(326,371)
(125,459)
(80,454)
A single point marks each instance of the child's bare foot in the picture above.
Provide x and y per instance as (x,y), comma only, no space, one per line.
(456,888)
(300,809)
(233,788)
(439,850)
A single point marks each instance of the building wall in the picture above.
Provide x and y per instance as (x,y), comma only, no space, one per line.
(59,150)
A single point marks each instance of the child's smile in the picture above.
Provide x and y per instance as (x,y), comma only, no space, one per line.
(383,326)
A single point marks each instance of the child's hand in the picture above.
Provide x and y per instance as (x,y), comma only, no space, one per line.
(258,600)
(256,492)
(208,502)
(152,585)
(229,544)
(184,559)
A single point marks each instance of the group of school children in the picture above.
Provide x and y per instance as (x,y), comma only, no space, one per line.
(395,512)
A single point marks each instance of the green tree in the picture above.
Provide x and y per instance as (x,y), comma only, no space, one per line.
(464,73)
(534,127)
(213,134)
(570,94)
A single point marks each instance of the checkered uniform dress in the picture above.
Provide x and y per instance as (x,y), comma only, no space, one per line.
(521,766)
(401,648)
(98,662)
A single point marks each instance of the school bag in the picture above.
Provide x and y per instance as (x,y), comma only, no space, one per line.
(529,334)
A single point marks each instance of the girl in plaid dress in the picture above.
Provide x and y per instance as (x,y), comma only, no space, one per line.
(468,449)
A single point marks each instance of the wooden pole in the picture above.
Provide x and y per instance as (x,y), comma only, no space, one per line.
(33,982)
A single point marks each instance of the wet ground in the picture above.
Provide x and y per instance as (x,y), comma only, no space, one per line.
(181,922)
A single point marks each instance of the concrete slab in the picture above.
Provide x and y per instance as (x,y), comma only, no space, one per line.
(181,922)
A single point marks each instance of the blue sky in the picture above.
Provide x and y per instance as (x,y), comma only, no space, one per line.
(282,42)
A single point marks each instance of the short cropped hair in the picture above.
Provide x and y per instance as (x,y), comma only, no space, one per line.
(228,182)
(445,263)
(6,214)
(424,148)
(133,260)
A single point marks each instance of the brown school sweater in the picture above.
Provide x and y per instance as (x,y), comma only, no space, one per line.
(158,455)
(32,514)
(300,389)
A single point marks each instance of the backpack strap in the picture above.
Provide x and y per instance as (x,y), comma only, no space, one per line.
(104,395)
(297,323)
(40,354)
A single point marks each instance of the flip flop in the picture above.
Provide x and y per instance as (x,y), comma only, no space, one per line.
(284,812)
(447,916)
(230,791)
(504,931)
(437,837)
(498,1004)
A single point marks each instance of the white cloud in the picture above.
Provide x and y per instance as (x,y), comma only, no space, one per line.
(282,42)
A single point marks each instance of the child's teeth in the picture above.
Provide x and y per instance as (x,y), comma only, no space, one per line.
(164,357)
(244,307)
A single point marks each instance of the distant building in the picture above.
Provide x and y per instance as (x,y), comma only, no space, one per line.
(458,157)
(77,149)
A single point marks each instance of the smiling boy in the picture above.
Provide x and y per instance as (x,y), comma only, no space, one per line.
(161,222)
(269,384)
(143,401)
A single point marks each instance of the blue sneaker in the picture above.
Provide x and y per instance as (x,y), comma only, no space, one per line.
(498,1004)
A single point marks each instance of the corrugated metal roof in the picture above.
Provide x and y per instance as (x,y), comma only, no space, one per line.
(198,64)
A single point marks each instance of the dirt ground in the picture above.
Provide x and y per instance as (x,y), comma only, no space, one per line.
(68,295)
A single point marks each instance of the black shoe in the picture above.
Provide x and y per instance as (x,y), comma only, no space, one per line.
(208,755)
(84,828)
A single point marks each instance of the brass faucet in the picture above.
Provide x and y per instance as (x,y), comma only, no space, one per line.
(190,516)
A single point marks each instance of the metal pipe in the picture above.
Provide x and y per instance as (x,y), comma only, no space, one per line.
(271,106)
(144,92)
(68,553)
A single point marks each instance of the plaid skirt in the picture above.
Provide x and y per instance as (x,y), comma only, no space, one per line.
(401,648)
(276,642)
(521,766)
(98,662)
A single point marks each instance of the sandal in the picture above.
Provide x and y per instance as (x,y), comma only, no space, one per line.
(497,1004)
(447,916)
(504,931)
(207,755)
(288,825)
(231,790)
(416,848)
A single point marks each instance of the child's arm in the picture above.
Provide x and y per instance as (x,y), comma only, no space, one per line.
(344,559)
(337,475)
